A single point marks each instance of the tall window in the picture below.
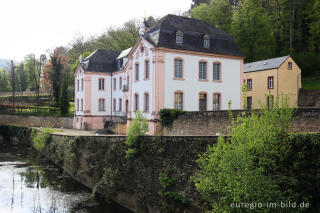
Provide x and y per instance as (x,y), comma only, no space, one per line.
(249,102)
(101,83)
(81,104)
(216,71)
(114,104)
(178,100)
(249,84)
(202,70)
(289,65)
(202,102)
(81,84)
(270,101)
(206,41)
(120,105)
(114,84)
(137,72)
(179,37)
(78,85)
(136,102)
(146,102)
(78,105)
(178,68)
(216,101)
(120,83)
(270,82)
(147,70)
(101,104)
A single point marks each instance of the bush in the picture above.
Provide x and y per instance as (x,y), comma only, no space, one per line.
(139,127)
(167,116)
(40,139)
(255,165)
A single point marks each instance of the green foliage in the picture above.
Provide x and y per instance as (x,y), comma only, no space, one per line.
(171,201)
(253,32)
(218,13)
(251,166)
(139,127)
(167,116)
(308,62)
(41,138)
(64,99)
(57,68)
(4,81)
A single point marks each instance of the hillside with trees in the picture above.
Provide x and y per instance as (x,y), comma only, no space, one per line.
(270,28)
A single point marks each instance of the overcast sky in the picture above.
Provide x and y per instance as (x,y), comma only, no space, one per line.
(33,26)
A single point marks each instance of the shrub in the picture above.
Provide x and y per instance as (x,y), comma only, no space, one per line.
(254,165)
(40,139)
(167,116)
(139,127)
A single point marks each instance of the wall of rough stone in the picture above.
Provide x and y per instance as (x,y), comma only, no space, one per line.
(309,98)
(212,123)
(99,162)
(36,121)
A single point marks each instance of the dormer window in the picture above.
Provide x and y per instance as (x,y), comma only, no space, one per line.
(206,41)
(179,37)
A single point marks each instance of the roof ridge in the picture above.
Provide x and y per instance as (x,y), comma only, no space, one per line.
(286,56)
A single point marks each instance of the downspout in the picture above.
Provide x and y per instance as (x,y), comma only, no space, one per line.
(111,97)
(277,82)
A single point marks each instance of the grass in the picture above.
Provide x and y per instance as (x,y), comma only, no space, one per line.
(311,82)
(42,113)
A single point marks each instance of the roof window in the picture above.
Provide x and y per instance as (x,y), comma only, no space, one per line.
(206,41)
(179,37)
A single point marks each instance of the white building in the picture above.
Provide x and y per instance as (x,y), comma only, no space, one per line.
(179,63)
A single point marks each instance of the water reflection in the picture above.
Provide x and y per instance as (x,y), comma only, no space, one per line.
(27,184)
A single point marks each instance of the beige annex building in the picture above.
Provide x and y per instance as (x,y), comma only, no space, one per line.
(274,76)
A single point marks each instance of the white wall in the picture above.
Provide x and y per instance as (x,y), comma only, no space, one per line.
(229,87)
(96,94)
(142,86)
(79,94)
(118,93)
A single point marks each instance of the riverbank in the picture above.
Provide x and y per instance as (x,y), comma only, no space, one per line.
(138,183)
(29,183)
(99,162)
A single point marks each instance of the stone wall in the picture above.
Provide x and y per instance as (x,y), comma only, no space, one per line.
(309,98)
(99,162)
(213,123)
(36,121)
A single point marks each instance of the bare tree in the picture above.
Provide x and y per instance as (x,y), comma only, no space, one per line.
(12,81)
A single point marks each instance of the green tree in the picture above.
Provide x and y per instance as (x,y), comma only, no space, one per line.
(314,26)
(218,13)
(21,78)
(57,68)
(30,67)
(252,30)
(138,127)
(4,81)
(64,99)
(250,166)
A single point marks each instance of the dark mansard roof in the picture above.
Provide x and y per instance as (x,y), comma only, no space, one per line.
(163,34)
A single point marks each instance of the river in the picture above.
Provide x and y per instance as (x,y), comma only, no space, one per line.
(28,183)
